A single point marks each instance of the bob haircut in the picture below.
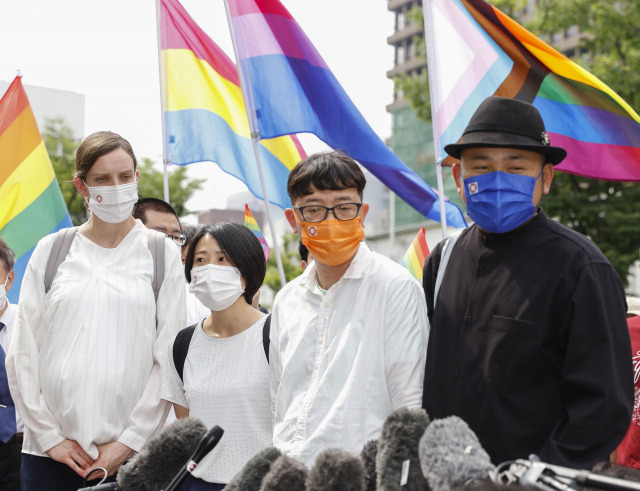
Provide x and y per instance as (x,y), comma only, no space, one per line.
(241,247)
(95,146)
(325,171)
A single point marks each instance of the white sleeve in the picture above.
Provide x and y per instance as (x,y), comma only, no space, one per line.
(150,413)
(275,366)
(406,338)
(23,355)
(172,385)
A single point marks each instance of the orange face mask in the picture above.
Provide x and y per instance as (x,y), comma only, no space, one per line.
(332,241)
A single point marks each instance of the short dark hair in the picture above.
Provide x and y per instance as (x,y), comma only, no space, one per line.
(189,232)
(303,251)
(154,204)
(330,170)
(241,246)
(7,255)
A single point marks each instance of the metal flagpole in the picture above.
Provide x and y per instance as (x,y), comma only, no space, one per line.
(255,137)
(429,37)
(166,160)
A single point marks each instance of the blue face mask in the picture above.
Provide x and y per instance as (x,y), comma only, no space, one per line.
(500,202)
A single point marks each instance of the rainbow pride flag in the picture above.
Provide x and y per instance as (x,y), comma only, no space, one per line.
(293,91)
(476,51)
(251,224)
(31,204)
(416,255)
(204,112)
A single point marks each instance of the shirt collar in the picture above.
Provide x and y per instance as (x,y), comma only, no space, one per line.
(356,269)
(7,316)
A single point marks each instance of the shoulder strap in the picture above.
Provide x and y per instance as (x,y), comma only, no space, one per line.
(59,250)
(156,247)
(181,348)
(446,254)
(265,335)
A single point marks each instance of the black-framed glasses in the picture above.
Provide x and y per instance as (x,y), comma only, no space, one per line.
(317,213)
(179,239)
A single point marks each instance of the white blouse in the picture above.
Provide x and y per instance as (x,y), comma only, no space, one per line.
(226,383)
(84,359)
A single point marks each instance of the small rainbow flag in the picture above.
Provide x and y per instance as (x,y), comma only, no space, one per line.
(31,204)
(251,224)
(204,110)
(415,256)
(494,55)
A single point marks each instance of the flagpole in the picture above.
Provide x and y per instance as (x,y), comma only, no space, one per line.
(255,137)
(166,161)
(429,37)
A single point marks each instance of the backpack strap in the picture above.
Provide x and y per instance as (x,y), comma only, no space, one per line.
(156,247)
(266,328)
(181,348)
(59,250)
(446,254)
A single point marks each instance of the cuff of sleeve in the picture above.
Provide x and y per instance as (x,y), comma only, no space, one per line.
(132,440)
(49,440)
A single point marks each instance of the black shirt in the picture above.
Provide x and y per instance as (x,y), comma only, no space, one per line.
(529,344)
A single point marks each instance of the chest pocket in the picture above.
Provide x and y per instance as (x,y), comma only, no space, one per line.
(511,353)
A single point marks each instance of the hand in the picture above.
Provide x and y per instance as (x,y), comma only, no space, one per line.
(112,456)
(71,453)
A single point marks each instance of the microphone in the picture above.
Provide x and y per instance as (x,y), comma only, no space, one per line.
(285,474)
(161,457)
(368,456)
(251,475)
(208,442)
(336,470)
(398,458)
(451,455)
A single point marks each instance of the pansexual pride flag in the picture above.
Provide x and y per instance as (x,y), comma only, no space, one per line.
(251,224)
(293,91)
(476,51)
(31,204)
(204,112)
(415,256)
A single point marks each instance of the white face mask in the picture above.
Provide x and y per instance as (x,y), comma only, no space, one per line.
(3,294)
(217,287)
(113,204)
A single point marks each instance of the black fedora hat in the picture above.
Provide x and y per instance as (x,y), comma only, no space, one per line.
(508,123)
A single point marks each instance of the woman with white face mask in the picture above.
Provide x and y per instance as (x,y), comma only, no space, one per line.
(84,357)
(224,378)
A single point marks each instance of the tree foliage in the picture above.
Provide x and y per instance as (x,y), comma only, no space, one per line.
(61,145)
(290,263)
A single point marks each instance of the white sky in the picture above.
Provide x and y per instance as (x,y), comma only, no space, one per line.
(107,50)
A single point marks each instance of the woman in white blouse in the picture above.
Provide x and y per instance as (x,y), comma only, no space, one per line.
(83,358)
(226,372)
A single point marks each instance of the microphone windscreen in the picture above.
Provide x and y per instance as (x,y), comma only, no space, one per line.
(162,457)
(286,474)
(251,475)
(368,456)
(336,470)
(451,455)
(398,443)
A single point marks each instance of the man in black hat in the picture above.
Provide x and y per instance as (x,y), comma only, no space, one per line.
(528,340)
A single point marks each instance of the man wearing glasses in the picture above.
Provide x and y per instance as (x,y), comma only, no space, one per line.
(349,336)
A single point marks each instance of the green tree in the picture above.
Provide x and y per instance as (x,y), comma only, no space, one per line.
(290,263)
(61,145)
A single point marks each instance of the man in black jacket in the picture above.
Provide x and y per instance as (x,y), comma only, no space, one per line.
(528,340)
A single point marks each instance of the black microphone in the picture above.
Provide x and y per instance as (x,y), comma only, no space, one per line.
(161,457)
(398,458)
(251,475)
(336,470)
(286,474)
(451,455)
(208,442)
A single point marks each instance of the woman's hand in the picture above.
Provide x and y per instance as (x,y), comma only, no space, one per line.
(112,456)
(71,453)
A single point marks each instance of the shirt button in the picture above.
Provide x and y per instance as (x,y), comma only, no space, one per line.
(456,373)
(468,319)
(482,267)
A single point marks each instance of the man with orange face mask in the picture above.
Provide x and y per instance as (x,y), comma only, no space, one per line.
(348,336)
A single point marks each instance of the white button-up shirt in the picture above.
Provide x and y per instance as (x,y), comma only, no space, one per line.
(7,319)
(342,361)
